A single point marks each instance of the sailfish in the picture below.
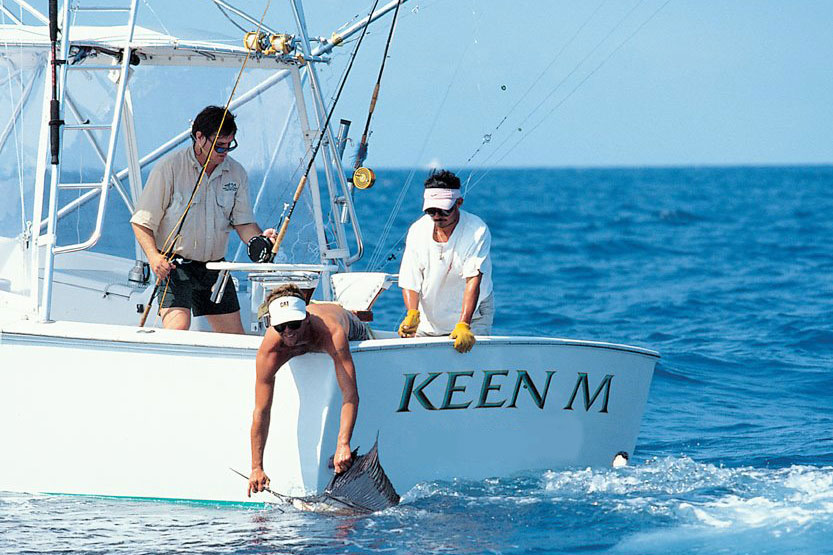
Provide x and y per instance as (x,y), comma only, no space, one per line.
(362,489)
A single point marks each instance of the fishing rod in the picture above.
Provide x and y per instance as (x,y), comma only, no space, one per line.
(260,248)
(170,241)
(172,238)
(55,121)
(364,178)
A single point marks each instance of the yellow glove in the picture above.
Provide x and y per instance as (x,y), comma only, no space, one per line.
(408,327)
(463,337)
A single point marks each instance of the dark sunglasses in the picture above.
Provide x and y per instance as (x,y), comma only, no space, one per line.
(223,149)
(293,325)
(439,212)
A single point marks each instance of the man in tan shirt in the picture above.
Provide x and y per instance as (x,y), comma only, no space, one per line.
(220,205)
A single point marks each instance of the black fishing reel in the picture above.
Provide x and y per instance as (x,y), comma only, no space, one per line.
(259,249)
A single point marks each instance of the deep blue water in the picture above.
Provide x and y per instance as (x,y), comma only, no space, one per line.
(725,271)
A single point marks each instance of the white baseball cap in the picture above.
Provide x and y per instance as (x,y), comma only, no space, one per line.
(287,309)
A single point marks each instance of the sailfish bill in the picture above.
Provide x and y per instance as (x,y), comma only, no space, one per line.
(363,488)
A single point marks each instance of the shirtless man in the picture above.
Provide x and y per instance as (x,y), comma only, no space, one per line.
(297,329)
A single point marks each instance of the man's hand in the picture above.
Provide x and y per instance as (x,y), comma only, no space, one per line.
(409,325)
(343,458)
(463,337)
(161,266)
(270,233)
(258,481)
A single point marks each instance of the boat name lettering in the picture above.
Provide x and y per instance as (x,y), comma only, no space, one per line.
(457,383)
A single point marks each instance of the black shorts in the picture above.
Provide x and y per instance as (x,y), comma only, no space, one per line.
(189,286)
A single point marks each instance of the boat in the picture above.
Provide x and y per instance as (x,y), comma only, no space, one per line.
(91,403)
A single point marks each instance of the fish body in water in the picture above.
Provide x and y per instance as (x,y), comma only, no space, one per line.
(363,488)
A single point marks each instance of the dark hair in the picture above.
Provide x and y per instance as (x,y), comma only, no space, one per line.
(208,121)
(442,179)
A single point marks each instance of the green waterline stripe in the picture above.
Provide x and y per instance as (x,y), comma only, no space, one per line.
(241,504)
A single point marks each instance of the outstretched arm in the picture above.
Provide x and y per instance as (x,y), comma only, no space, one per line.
(267,366)
(346,377)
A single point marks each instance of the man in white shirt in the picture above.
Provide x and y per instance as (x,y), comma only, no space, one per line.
(446,271)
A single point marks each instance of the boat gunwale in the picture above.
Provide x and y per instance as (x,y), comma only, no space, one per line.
(201,340)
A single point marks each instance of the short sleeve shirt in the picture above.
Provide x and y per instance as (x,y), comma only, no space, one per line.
(221,202)
(438,271)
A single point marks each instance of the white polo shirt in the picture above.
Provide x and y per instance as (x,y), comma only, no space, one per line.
(221,202)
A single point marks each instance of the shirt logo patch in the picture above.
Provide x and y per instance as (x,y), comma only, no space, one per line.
(230,186)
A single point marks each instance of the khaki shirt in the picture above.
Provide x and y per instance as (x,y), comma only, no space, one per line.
(221,202)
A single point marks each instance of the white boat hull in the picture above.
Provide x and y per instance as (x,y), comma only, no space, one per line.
(108,410)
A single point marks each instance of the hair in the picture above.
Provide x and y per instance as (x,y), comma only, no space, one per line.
(442,179)
(208,121)
(285,290)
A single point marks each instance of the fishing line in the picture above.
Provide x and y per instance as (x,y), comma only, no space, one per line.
(150,8)
(538,79)
(16,133)
(376,259)
(233,22)
(15,129)
(570,94)
(171,240)
(559,85)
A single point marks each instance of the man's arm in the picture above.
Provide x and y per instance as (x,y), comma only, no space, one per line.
(346,377)
(409,325)
(463,338)
(247,231)
(267,364)
(411,299)
(146,239)
(470,296)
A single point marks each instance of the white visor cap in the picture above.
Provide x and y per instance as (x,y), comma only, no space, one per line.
(443,199)
(286,309)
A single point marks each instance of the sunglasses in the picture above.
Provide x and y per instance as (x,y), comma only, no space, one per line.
(223,149)
(439,212)
(293,325)
(217,148)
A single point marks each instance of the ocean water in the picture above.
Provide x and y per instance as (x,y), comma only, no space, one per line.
(725,271)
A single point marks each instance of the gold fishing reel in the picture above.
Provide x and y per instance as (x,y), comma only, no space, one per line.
(256,42)
(280,44)
(363,178)
(269,44)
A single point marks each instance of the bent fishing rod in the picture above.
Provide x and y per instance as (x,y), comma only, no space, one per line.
(260,248)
